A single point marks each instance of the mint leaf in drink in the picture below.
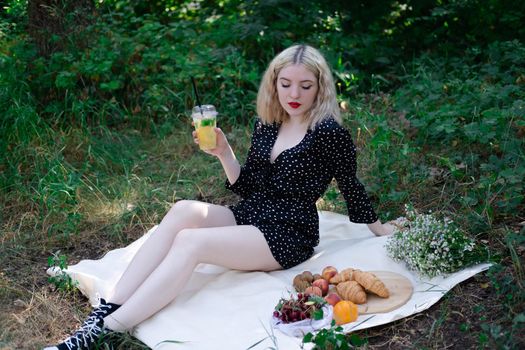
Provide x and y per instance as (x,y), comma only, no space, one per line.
(207,122)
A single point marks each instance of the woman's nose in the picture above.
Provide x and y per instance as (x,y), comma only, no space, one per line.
(294,92)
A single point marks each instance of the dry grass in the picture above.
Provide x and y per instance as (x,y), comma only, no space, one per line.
(33,313)
(31,318)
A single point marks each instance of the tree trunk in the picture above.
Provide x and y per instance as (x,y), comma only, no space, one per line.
(54,23)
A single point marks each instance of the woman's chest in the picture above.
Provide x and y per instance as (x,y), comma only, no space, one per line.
(284,141)
(295,159)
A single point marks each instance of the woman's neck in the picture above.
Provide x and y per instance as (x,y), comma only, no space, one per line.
(296,122)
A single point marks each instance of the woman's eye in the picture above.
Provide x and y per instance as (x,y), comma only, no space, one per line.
(307,87)
(285,86)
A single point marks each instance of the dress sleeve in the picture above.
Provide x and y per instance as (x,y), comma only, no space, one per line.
(244,184)
(343,152)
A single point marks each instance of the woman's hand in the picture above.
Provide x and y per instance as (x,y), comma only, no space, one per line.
(224,153)
(222,146)
(380,229)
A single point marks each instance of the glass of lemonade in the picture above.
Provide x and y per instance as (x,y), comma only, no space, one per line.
(205,121)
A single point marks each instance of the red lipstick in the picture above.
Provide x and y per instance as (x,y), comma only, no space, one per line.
(294,105)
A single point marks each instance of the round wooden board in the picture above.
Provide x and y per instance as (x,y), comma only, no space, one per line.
(400,289)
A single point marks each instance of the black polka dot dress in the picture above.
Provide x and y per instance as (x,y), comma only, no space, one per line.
(279,198)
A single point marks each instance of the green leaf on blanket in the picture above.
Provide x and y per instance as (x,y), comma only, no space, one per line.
(357,340)
(331,338)
(308,338)
(60,278)
(318,314)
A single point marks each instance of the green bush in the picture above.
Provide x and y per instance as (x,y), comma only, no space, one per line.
(468,113)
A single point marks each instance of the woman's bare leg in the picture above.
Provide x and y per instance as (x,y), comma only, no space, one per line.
(235,247)
(183,214)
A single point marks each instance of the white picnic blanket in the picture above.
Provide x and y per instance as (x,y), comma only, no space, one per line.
(225,309)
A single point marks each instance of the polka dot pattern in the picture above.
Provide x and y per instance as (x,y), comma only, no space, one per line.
(279,198)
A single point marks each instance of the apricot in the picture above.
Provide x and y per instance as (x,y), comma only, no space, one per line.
(329,272)
(344,312)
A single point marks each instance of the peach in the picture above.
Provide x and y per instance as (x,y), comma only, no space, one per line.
(329,272)
(313,290)
(322,284)
(332,298)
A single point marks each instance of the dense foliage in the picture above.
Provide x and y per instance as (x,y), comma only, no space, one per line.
(94,101)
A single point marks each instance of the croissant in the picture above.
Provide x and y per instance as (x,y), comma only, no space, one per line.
(352,291)
(371,283)
(344,275)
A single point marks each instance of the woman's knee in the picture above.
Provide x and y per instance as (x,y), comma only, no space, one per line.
(181,215)
(183,205)
(186,210)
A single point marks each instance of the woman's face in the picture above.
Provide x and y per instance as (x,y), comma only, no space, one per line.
(297,89)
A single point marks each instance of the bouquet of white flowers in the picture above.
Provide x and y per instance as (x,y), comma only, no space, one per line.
(429,245)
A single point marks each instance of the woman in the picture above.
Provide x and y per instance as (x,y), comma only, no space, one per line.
(298,147)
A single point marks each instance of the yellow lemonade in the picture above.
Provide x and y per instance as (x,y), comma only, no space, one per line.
(206,132)
(205,121)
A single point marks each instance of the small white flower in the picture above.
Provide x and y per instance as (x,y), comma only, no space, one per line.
(429,245)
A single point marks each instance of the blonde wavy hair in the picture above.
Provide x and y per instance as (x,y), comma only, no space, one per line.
(325,104)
